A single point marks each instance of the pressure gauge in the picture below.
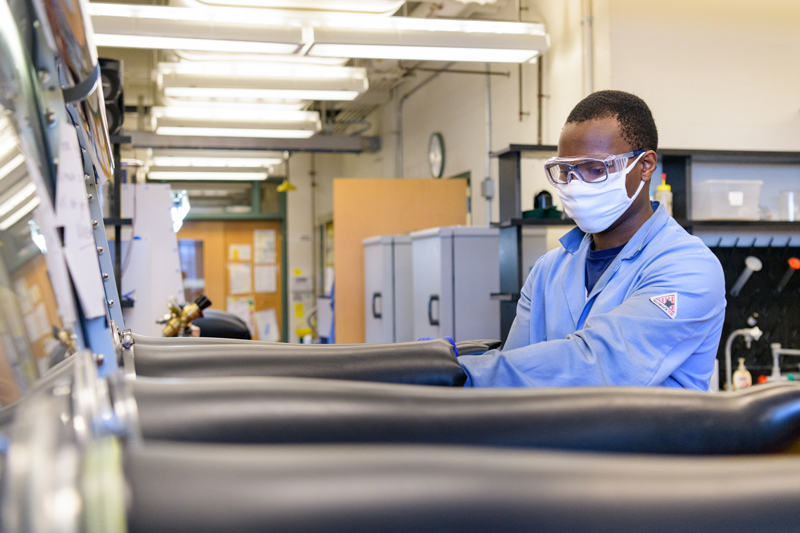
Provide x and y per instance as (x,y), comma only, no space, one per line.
(436,155)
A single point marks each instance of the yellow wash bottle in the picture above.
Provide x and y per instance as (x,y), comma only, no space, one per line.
(742,377)
(664,194)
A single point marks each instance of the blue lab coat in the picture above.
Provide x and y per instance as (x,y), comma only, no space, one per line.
(653,319)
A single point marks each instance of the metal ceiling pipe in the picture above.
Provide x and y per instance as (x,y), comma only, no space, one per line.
(588,37)
(398,167)
(539,98)
(488,188)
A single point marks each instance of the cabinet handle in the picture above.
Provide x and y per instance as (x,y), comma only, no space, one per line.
(375,313)
(431,320)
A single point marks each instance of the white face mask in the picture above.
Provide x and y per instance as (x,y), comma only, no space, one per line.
(594,207)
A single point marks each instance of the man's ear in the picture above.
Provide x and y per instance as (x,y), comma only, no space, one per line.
(649,160)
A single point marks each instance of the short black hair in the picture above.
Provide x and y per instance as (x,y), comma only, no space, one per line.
(635,119)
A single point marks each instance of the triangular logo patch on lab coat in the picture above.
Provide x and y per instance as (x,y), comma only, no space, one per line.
(667,303)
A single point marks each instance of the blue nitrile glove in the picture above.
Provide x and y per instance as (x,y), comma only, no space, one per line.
(448,338)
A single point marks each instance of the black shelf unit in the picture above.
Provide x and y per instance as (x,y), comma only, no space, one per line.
(115,220)
(676,164)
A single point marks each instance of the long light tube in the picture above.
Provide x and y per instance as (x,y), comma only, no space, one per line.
(154,42)
(12,165)
(374,7)
(235,132)
(17,198)
(167,175)
(193,157)
(264,70)
(302,82)
(215,162)
(259,94)
(424,53)
(190,55)
(313,126)
(282,105)
(235,114)
(21,212)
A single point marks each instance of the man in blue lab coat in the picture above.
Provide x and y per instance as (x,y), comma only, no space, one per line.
(629,298)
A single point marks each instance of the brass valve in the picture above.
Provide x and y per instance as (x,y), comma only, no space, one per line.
(67,338)
(179,319)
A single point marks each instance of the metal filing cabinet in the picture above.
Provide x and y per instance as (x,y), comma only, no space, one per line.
(455,271)
(387,289)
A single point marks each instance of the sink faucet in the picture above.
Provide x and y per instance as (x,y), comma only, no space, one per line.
(777,351)
(750,335)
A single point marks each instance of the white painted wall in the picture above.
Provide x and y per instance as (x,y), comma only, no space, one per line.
(718,74)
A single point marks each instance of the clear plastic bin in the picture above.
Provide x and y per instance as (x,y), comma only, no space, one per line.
(726,199)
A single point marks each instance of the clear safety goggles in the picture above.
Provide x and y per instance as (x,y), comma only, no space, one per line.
(561,170)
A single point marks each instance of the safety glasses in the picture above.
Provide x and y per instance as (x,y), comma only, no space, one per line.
(561,170)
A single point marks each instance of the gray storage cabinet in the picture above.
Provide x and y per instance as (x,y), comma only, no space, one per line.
(456,270)
(387,289)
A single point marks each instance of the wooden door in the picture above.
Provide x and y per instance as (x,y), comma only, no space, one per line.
(229,250)
(368,207)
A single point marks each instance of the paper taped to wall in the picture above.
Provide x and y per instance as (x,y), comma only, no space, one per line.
(267,323)
(72,212)
(240,252)
(242,308)
(239,275)
(264,240)
(266,278)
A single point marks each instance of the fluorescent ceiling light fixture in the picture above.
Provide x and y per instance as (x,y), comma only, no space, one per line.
(311,126)
(12,165)
(262,70)
(235,114)
(218,162)
(217,153)
(21,212)
(259,94)
(332,34)
(17,198)
(373,7)
(174,157)
(102,15)
(274,105)
(203,176)
(425,53)
(199,80)
(153,42)
(188,55)
(235,132)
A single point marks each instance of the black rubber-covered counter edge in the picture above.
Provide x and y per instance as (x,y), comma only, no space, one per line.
(181,488)
(642,420)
